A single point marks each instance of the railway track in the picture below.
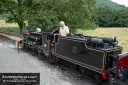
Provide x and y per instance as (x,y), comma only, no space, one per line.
(11,36)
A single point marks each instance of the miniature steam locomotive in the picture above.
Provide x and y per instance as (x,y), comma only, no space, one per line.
(96,57)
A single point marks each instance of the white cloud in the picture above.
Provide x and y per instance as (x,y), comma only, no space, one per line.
(122,2)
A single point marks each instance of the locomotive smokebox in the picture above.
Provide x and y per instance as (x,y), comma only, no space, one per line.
(97,41)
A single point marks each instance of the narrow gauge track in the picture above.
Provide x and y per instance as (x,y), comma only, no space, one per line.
(11,36)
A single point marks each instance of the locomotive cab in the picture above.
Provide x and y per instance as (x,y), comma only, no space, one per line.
(48,40)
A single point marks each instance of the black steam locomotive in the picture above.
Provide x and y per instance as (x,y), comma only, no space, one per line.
(96,57)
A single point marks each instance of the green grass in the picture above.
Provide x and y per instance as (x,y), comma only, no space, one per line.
(8,27)
(14,30)
(120,33)
(4,24)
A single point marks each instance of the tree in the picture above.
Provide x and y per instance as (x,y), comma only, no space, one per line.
(106,16)
(76,13)
(18,10)
(122,18)
(42,13)
(44,19)
(110,17)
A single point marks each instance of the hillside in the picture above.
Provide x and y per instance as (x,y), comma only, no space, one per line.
(102,3)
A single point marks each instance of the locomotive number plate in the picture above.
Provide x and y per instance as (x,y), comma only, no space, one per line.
(74,49)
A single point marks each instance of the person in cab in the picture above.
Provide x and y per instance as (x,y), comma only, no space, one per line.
(63,30)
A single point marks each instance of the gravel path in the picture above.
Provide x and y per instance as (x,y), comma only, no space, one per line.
(13,62)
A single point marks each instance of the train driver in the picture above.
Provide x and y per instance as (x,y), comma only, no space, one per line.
(63,29)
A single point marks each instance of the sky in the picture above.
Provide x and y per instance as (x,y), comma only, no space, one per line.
(122,2)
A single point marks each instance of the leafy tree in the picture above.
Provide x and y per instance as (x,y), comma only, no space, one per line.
(42,13)
(44,19)
(105,17)
(18,10)
(76,13)
(122,18)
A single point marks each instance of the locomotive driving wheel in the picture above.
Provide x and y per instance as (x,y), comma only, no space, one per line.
(52,58)
(81,69)
(97,77)
(73,66)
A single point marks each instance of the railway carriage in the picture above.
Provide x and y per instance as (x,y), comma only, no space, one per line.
(122,62)
(94,56)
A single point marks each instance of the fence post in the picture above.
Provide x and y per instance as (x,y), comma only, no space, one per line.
(16,44)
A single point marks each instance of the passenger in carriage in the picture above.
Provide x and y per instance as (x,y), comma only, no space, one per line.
(63,31)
